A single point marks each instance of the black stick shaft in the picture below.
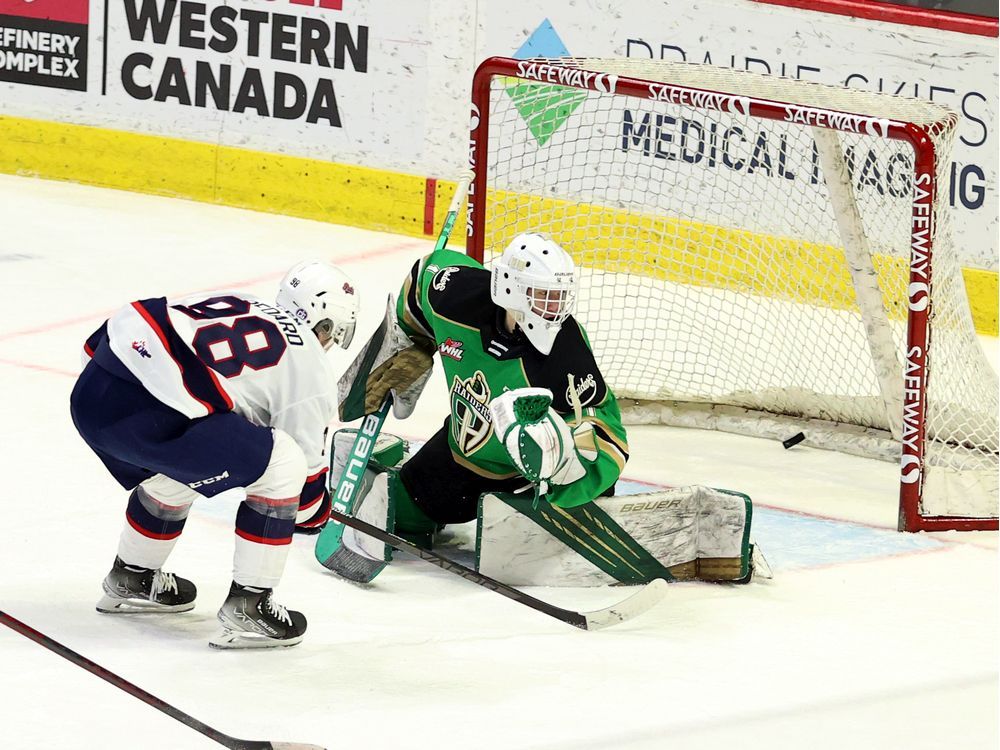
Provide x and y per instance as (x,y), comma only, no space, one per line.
(134,690)
(570,617)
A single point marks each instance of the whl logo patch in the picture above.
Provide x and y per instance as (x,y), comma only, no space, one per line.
(452,348)
(544,107)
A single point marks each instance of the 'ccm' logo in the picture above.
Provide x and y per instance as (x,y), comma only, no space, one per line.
(919,296)
(210,480)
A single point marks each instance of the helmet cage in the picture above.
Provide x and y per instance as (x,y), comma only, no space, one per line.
(535,280)
(340,334)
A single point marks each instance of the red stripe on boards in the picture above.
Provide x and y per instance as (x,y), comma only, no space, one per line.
(947,20)
(69,11)
(430,199)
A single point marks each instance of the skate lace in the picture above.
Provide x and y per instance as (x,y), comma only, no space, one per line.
(163,582)
(277,611)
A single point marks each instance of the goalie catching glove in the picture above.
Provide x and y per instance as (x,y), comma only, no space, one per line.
(539,442)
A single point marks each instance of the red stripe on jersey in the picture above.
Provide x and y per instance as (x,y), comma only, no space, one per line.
(219,388)
(151,322)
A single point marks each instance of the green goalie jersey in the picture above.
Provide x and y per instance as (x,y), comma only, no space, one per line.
(446,298)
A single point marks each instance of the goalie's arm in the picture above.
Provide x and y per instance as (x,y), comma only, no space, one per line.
(599,434)
(418,297)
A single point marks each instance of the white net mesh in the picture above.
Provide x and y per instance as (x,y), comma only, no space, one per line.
(713,265)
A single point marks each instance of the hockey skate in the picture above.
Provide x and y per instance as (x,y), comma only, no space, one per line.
(129,588)
(252,619)
(360,558)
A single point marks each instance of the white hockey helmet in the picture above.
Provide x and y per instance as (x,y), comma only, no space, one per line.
(535,280)
(322,297)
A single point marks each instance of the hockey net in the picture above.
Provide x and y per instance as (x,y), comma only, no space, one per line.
(756,256)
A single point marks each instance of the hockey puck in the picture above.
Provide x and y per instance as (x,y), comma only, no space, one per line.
(794,440)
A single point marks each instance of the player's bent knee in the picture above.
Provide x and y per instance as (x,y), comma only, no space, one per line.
(286,471)
(166,491)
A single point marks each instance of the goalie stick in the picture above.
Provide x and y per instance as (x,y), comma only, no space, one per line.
(633,606)
(345,493)
(225,740)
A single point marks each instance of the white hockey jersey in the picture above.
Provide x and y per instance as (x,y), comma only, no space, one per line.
(229,351)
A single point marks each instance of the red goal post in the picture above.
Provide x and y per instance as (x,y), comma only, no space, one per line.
(671,181)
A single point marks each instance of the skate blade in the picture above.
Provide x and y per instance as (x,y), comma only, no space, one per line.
(235,639)
(111,605)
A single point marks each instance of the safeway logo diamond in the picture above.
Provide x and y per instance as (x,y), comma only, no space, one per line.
(544,107)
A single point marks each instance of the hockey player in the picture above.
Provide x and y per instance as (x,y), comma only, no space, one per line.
(507,340)
(190,398)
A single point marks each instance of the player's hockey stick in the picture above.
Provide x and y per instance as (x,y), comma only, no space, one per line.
(633,606)
(345,493)
(81,661)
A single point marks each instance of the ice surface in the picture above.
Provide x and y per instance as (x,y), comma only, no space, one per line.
(865,638)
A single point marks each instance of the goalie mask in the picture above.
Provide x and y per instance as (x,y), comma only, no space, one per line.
(322,297)
(535,280)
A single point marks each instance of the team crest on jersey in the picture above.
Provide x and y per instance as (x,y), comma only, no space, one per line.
(140,346)
(471,425)
(452,348)
(586,389)
(442,277)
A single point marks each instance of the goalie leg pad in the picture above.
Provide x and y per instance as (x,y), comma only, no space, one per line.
(360,558)
(692,532)
(593,534)
(390,451)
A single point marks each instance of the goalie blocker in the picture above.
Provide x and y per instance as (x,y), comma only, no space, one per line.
(683,533)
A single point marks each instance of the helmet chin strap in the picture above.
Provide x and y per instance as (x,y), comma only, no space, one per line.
(510,319)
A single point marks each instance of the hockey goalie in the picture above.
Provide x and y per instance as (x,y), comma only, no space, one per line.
(533,443)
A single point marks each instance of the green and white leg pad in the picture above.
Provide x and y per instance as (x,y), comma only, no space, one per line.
(360,558)
(682,533)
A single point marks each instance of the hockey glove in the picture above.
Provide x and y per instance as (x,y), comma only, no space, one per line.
(538,440)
